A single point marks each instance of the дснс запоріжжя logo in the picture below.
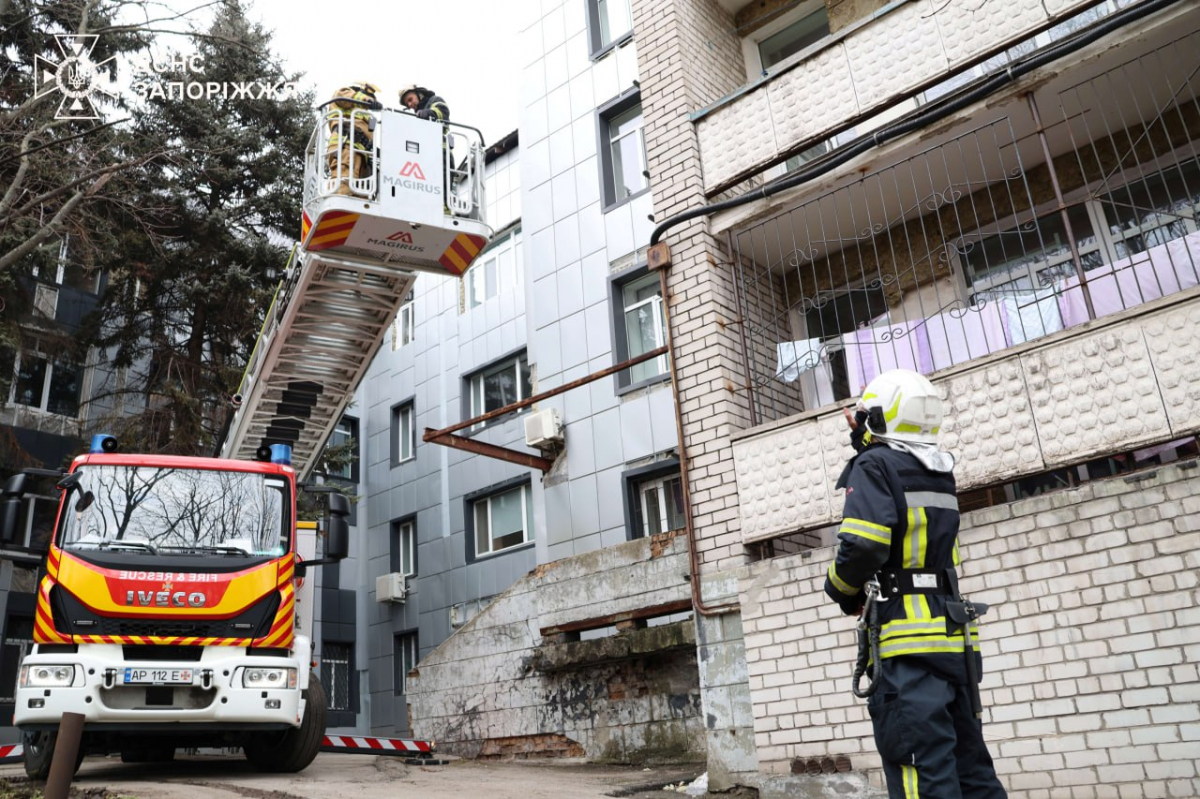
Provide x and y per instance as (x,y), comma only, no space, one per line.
(76,76)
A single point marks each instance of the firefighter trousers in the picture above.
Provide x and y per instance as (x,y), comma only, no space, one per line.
(931,744)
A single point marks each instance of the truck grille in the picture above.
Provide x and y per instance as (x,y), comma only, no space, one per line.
(162,652)
(164,629)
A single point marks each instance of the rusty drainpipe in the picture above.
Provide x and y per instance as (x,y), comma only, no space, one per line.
(659,257)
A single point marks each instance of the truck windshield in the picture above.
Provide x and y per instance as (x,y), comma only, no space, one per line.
(158,510)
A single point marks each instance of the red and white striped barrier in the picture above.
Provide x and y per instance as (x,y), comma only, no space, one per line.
(376,746)
(12,753)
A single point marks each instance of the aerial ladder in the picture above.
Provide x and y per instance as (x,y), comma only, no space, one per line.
(386,196)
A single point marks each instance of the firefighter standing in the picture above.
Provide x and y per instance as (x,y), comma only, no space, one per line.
(425,104)
(900,526)
(349,154)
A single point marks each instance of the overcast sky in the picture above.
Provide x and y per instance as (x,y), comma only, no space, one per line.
(465,50)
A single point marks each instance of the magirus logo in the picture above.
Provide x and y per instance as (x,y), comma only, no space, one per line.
(77,76)
(412,169)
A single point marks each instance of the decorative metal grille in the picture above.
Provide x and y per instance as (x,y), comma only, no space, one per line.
(335,675)
(1015,229)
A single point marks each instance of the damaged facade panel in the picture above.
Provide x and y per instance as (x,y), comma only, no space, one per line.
(498,688)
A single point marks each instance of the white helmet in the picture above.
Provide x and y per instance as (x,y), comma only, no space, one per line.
(902,405)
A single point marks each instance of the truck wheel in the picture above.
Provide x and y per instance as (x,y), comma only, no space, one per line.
(39,751)
(292,750)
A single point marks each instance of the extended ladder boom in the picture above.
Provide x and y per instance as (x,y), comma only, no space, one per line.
(376,212)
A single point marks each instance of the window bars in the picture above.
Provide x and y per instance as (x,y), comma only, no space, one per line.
(1017,228)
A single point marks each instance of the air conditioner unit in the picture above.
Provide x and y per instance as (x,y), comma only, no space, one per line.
(389,587)
(544,429)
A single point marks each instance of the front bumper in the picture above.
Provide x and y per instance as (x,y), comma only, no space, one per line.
(216,698)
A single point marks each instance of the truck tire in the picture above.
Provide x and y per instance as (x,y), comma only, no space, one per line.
(292,750)
(39,752)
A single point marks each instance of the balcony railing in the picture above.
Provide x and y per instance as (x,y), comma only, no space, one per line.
(999,257)
(961,250)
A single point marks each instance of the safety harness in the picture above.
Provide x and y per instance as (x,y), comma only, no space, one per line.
(895,583)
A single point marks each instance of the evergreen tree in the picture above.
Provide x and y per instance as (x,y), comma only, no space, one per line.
(59,178)
(196,269)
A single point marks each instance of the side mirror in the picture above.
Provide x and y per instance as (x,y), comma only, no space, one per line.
(10,507)
(337,540)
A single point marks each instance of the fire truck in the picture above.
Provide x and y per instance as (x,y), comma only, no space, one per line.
(172,609)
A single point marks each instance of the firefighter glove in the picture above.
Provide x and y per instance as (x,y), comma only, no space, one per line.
(860,429)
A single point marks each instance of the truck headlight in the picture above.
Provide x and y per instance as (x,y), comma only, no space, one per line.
(268,678)
(48,676)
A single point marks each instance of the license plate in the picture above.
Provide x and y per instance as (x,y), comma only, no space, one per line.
(158,676)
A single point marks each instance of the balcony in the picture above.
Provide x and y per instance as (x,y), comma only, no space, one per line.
(894,54)
(1038,257)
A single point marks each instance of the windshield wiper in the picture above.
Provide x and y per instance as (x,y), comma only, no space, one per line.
(221,549)
(133,546)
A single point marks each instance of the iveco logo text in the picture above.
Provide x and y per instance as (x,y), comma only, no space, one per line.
(165,599)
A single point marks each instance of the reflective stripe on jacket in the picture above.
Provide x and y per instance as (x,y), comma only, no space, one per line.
(898,514)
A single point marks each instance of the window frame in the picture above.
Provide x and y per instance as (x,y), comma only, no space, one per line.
(400,642)
(397,413)
(50,367)
(598,49)
(396,546)
(631,482)
(523,483)
(623,380)
(351,432)
(405,330)
(604,115)
(752,42)
(469,393)
(508,276)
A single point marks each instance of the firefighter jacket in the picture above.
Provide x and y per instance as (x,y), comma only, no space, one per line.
(902,518)
(434,106)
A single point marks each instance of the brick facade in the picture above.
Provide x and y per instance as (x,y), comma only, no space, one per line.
(1090,647)
(700,287)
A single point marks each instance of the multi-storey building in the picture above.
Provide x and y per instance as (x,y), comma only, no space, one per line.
(48,397)
(1000,195)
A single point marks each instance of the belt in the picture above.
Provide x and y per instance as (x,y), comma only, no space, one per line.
(897,582)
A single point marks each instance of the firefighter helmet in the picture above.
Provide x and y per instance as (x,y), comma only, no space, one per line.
(419,91)
(902,405)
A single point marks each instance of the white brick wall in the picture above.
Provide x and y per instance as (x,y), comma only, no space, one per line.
(1090,648)
(786,470)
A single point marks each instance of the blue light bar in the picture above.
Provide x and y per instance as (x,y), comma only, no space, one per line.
(103,442)
(282,454)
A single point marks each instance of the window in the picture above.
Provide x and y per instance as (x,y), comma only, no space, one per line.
(1028,257)
(793,38)
(46,385)
(624,173)
(497,269)
(404,433)
(654,499)
(405,324)
(660,505)
(336,672)
(501,520)
(609,24)
(404,657)
(639,326)
(498,385)
(404,547)
(344,443)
